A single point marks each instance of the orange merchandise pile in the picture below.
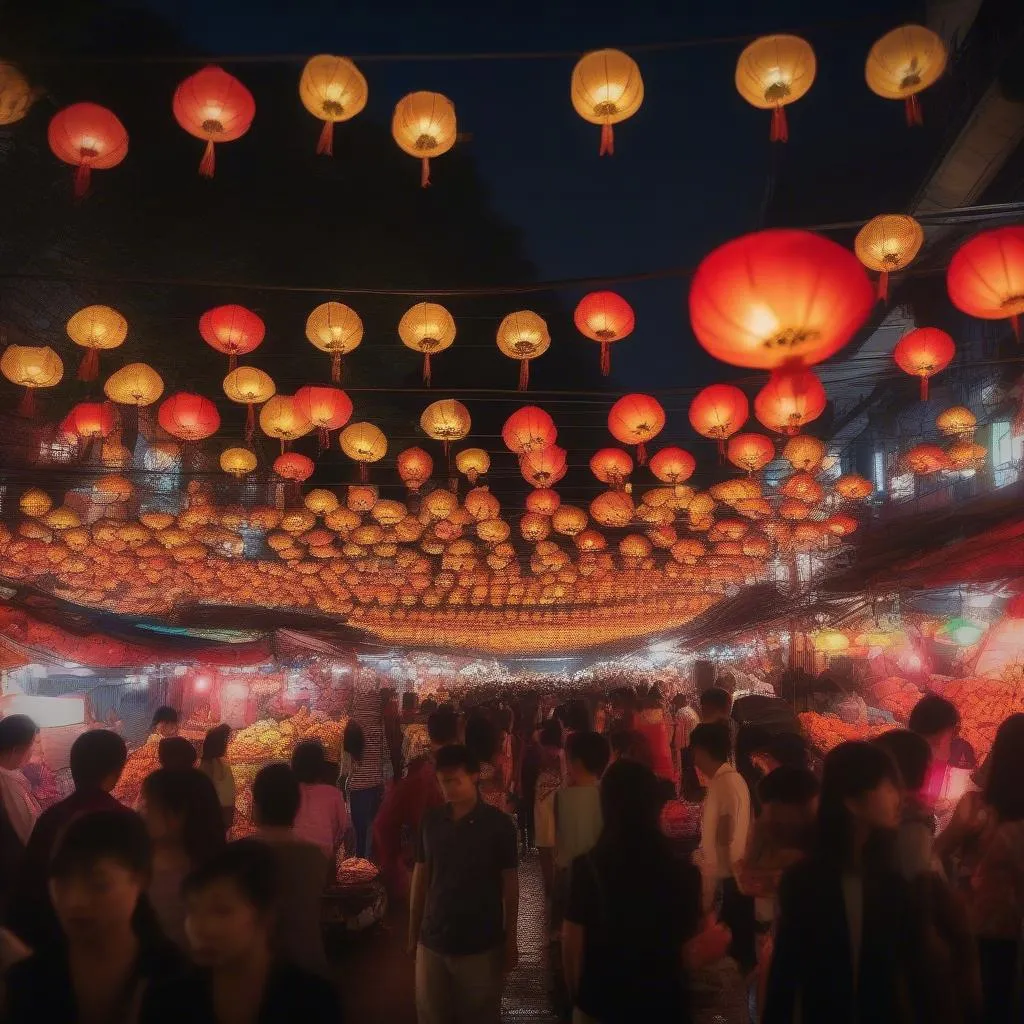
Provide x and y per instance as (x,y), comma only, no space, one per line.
(269,740)
(897,696)
(141,762)
(983,704)
(824,732)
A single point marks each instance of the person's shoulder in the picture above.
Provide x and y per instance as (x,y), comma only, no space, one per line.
(305,996)
(495,817)
(433,816)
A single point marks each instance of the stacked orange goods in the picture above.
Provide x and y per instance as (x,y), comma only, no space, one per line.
(897,696)
(983,705)
(824,732)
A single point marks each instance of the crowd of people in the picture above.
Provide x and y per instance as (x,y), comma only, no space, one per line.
(796,890)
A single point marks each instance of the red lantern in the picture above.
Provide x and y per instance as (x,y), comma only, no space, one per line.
(636,419)
(88,137)
(766,299)
(188,417)
(672,465)
(604,317)
(790,400)
(611,466)
(923,353)
(543,501)
(545,467)
(213,105)
(751,452)
(718,412)
(529,429)
(293,466)
(233,330)
(840,525)
(986,276)
(326,408)
(924,459)
(89,420)
(414,467)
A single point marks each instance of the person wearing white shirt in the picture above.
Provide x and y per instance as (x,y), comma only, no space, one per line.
(17,734)
(725,825)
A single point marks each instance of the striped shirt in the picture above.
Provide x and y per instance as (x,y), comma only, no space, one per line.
(366,710)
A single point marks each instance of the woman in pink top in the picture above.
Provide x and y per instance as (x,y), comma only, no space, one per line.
(322,817)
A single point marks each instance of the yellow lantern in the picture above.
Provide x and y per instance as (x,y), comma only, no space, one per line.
(606,88)
(237,462)
(966,455)
(321,501)
(887,243)
(446,421)
(831,641)
(773,72)
(35,503)
(336,329)
(31,367)
(472,463)
(569,520)
(524,336)
(363,443)
(424,126)
(15,94)
(332,89)
(109,490)
(804,452)
(250,387)
(957,421)
(96,328)
(281,417)
(136,384)
(427,328)
(903,63)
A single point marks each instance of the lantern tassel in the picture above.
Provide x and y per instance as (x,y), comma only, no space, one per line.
(27,406)
(606,359)
(282,446)
(209,162)
(524,374)
(89,367)
(924,389)
(426,368)
(912,106)
(325,147)
(780,127)
(721,449)
(607,147)
(364,472)
(250,422)
(325,437)
(883,286)
(425,172)
(232,361)
(336,368)
(641,455)
(83,174)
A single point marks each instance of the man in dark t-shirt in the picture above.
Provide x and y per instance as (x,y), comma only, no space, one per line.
(464,904)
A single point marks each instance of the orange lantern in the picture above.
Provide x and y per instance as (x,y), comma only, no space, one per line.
(534,527)
(424,126)
(611,466)
(215,106)
(282,418)
(481,504)
(545,467)
(543,501)
(923,353)
(136,384)
(606,88)
(751,452)
(363,443)
(16,95)
(790,400)
(88,137)
(446,421)
(524,336)
(774,296)
(773,72)
(888,243)
(528,429)
(336,329)
(986,276)
(718,412)
(804,452)
(414,467)
(903,63)
(803,486)
(794,510)
(473,463)
(96,328)
(31,367)
(188,417)
(841,525)
(966,455)
(332,89)
(636,419)
(233,330)
(237,462)
(293,466)
(853,487)
(250,387)
(924,459)
(957,421)
(604,317)
(89,420)
(613,509)
(569,520)
(672,465)
(427,328)
(326,408)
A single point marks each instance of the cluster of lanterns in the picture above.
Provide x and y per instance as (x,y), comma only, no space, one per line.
(961,454)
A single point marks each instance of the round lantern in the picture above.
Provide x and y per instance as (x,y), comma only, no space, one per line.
(636,419)
(215,106)
(136,384)
(15,94)
(188,417)
(237,462)
(472,463)
(804,452)
(414,467)
(790,400)
(249,386)
(336,329)
(853,487)
(957,421)
(611,466)
(528,429)
(569,520)
(96,328)
(613,509)
(966,455)
(326,408)
(446,421)
(89,420)
(332,89)
(672,465)
(773,72)
(545,467)
(233,330)
(35,503)
(604,317)
(606,89)
(903,63)
(803,486)
(282,418)
(31,367)
(293,466)
(424,126)
(923,353)
(543,501)
(924,459)
(888,243)
(88,137)
(363,443)
(427,328)
(718,412)
(534,527)
(751,452)
(523,336)
(775,296)
(986,276)
(831,641)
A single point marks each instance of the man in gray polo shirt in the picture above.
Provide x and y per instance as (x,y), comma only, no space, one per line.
(464,904)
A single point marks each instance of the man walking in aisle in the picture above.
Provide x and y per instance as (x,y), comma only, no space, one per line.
(464,905)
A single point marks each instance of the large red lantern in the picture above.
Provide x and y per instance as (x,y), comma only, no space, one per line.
(636,419)
(672,465)
(611,466)
(215,106)
(777,296)
(89,137)
(233,330)
(529,429)
(751,452)
(924,459)
(414,467)
(325,407)
(604,317)
(89,420)
(188,417)
(923,353)
(293,466)
(718,412)
(545,467)
(790,400)
(543,501)
(986,276)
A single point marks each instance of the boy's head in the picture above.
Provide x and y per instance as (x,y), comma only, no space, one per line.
(791,787)
(911,753)
(771,751)
(715,705)
(165,721)
(937,720)
(586,754)
(443,729)
(275,796)
(97,759)
(711,745)
(17,734)
(176,752)
(458,773)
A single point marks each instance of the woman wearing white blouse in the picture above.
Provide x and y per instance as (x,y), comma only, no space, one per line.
(17,734)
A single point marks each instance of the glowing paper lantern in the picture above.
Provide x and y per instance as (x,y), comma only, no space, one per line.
(963,632)
(903,63)
(446,421)
(924,459)
(188,417)
(363,443)
(96,328)
(35,503)
(611,466)
(606,88)
(233,330)
(774,296)
(424,126)
(523,336)
(336,329)
(604,317)
(136,384)
(773,72)
(613,509)
(427,328)
(215,106)
(831,641)
(90,420)
(853,487)
(293,466)
(545,467)
(326,408)
(528,429)
(790,400)
(249,386)
(282,418)
(237,462)
(956,421)
(543,501)
(966,455)
(888,243)
(672,465)
(718,411)
(804,452)
(88,137)
(986,276)
(332,89)
(31,367)
(569,520)
(15,94)
(414,467)
(472,463)
(841,525)
(923,353)
(751,452)
(636,419)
